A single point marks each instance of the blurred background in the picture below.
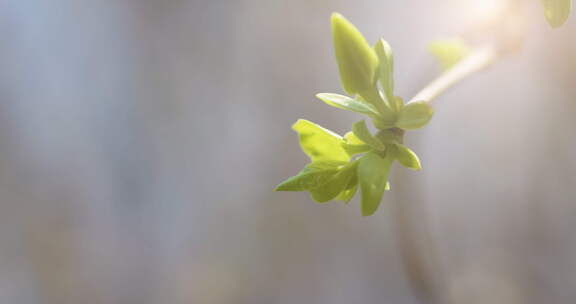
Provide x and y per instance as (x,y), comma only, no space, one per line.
(140,141)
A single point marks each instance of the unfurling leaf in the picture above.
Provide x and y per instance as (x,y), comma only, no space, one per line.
(449,51)
(407,157)
(361,131)
(347,103)
(373,171)
(385,68)
(325,180)
(357,61)
(353,145)
(414,115)
(557,11)
(311,177)
(318,143)
(334,185)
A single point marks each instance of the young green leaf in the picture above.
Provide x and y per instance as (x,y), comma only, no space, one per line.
(557,11)
(347,103)
(385,68)
(407,157)
(357,61)
(347,195)
(319,143)
(325,165)
(353,145)
(373,171)
(352,139)
(449,52)
(334,185)
(361,131)
(414,115)
(307,179)
(350,189)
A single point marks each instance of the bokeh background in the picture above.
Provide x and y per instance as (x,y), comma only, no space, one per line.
(140,141)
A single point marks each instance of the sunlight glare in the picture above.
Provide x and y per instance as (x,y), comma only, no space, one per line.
(486,10)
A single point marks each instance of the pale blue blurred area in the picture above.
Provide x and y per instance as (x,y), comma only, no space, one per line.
(140,141)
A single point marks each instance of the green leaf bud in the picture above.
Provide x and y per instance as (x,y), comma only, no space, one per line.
(347,103)
(386,69)
(414,115)
(357,61)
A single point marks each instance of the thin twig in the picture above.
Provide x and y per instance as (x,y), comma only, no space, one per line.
(476,61)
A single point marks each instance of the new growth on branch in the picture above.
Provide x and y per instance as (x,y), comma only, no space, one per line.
(361,160)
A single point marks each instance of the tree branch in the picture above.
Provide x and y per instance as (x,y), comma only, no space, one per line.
(476,61)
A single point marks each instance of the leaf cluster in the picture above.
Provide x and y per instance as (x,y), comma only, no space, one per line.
(361,159)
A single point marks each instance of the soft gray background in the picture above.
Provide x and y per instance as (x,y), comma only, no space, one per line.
(140,141)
